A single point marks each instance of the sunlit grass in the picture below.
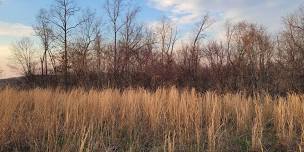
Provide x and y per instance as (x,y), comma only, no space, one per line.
(140,120)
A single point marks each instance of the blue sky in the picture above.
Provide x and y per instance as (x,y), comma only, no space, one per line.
(18,16)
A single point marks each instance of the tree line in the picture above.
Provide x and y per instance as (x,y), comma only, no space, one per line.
(77,51)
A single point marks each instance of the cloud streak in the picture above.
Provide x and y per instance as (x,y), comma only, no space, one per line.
(15,30)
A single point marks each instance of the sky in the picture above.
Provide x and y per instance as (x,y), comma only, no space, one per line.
(18,16)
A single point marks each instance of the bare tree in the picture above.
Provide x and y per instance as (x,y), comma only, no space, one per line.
(167,34)
(44,31)
(291,51)
(203,25)
(192,52)
(23,54)
(101,54)
(132,41)
(114,12)
(249,54)
(84,45)
(62,18)
(215,54)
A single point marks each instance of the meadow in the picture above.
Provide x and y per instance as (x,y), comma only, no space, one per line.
(140,120)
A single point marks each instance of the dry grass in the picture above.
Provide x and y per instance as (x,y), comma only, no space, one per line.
(139,120)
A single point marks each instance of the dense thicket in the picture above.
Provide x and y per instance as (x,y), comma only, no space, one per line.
(77,50)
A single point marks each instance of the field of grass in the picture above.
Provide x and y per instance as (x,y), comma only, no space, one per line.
(139,120)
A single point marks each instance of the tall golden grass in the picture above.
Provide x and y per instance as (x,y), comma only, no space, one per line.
(139,120)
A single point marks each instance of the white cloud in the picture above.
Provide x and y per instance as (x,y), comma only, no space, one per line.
(4,57)
(266,12)
(180,11)
(10,32)
(15,30)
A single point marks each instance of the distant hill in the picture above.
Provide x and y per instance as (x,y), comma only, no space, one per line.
(15,81)
(33,81)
